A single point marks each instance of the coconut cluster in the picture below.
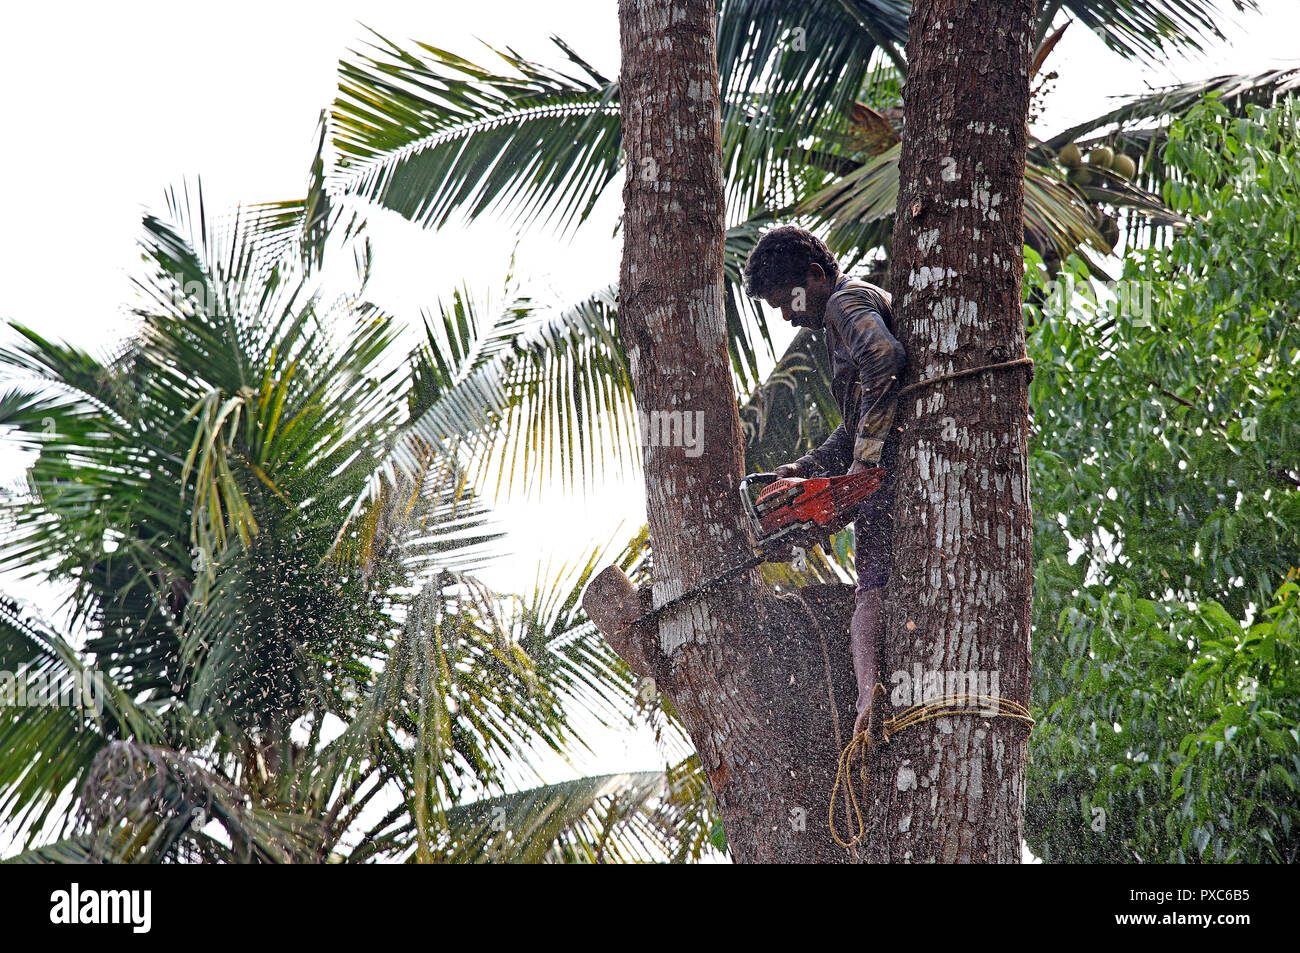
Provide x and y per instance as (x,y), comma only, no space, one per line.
(1101,157)
(1101,160)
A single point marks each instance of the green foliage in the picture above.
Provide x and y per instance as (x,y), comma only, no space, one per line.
(579,822)
(1166,481)
(297,661)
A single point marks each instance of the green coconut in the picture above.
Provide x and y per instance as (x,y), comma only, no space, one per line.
(1124,166)
(1101,156)
(1080,176)
(1070,156)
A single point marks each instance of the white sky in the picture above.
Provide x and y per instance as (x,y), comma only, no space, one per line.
(111,103)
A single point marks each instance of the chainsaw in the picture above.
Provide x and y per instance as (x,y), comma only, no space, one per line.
(787,512)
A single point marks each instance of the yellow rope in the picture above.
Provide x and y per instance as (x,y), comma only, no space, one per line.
(938,707)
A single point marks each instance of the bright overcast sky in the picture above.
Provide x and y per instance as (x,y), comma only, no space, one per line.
(109,104)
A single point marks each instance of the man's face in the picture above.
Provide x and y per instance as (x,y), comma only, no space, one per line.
(804,305)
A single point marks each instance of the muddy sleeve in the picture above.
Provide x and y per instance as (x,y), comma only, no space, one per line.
(879,359)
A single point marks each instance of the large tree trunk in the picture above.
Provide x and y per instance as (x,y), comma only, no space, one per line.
(952,789)
(764,684)
(724,659)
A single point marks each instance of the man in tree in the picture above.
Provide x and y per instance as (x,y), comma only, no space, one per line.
(794,272)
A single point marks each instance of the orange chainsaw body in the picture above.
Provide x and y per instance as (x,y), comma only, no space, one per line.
(792,507)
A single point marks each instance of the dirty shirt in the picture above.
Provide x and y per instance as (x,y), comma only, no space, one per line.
(866,365)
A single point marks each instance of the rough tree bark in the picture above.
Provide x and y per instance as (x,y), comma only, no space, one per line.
(952,790)
(746,669)
(764,683)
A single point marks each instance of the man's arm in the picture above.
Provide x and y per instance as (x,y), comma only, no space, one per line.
(835,454)
(880,360)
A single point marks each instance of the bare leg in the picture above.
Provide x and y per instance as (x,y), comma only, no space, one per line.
(865,632)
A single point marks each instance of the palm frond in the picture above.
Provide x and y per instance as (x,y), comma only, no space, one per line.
(457,699)
(1140,127)
(57,712)
(68,851)
(793,410)
(147,804)
(1235,91)
(569,653)
(301,227)
(1148,30)
(617,818)
(818,53)
(547,380)
(1053,209)
(425,133)
(790,79)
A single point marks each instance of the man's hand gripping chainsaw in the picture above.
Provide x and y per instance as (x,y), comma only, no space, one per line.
(798,511)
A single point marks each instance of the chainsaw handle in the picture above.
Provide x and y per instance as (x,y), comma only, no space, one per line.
(769,477)
(746,503)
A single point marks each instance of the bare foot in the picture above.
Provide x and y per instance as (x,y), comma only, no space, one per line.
(872,720)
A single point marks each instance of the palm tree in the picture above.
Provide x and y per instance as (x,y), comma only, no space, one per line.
(297,659)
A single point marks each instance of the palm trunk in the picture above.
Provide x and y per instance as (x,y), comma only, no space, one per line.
(952,789)
(750,689)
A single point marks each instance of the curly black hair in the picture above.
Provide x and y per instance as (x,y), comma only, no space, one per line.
(781,258)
